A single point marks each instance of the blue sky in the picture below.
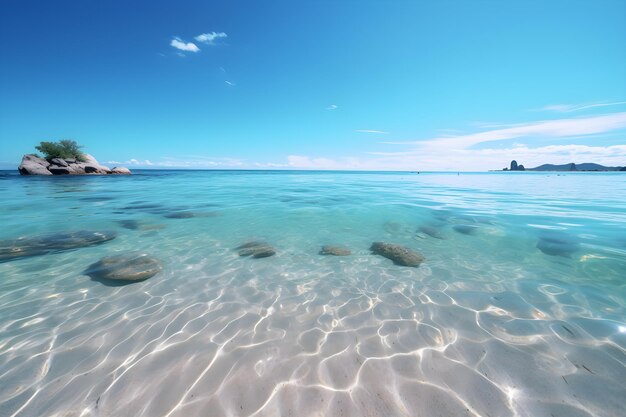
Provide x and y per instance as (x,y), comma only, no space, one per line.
(416,85)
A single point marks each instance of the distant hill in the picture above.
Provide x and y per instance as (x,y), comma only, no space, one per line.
(574,167)
(588,166)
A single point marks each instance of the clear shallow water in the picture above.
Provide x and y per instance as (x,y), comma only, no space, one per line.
(488,325)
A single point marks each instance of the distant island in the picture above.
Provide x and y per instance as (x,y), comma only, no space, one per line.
(565,167)
(64,158)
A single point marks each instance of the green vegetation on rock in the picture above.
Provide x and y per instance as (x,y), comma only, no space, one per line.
(64,149)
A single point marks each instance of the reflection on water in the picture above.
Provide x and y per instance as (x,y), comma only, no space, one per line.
(517,310)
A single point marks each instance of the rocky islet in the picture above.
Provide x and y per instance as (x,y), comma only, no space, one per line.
(35,165)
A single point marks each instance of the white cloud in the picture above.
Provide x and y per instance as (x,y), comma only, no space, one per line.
(484,159)
(307,162)
(184,46)
(209,38)
(332,107)
(371,131)
(465,159)
(455,152)
(270,165)
(199,162)
(568,108)
(132,161)
(190,161)
(547,129)
(230,83)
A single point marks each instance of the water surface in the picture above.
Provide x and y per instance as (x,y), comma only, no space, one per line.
(518,310)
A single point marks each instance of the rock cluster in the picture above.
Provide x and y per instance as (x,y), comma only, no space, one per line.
(34,165)
(400,255)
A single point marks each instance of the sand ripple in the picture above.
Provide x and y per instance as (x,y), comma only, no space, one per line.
(227,336)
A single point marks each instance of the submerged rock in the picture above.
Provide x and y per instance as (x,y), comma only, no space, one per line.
(189,214)
(256,249)
(557,244)
(466,229)
(138,225)
(127,267)
(431,231)
(335,250)
(40,245)
(180,215)
(400,255)
(129,224)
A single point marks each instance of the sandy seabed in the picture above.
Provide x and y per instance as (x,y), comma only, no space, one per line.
(228,336)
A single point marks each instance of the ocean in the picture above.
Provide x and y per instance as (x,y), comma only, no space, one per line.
(518,308)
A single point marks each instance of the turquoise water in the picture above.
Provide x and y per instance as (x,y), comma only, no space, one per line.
(518,310)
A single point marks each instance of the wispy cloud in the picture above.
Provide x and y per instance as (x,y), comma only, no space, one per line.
(568,108)
(547,128)
(132,162)
(381,132)
(456,152)
(332,107)
(199,162)
(307,162)
(270,165)
(430,159)
(465,159)
(209,38)
(187,161)
(181,45)
(230,83)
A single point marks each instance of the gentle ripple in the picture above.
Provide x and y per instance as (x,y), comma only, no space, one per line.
(489,325)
